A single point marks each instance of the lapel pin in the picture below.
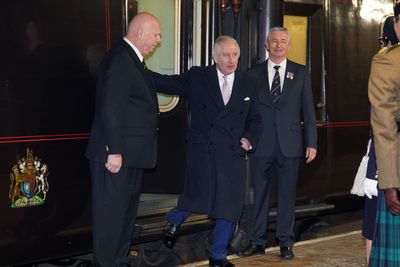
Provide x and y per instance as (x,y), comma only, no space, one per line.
(290,75)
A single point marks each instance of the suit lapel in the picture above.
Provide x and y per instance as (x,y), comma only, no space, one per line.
(262,73)
(146,77)
(215,89)
(213,86)
(236,93)
(290,68)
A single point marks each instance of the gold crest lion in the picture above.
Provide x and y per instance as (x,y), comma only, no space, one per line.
(29,185)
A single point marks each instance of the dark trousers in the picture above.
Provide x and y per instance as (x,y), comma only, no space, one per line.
(222,232)
(115,199)
(285,171)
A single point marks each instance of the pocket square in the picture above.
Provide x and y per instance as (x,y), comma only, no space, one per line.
(246,98)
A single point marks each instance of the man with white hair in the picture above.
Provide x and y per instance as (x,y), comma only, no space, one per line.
(224,125)
(285,102)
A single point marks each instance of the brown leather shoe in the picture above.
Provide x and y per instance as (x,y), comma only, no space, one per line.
(170,234)
(252,249)
(287,253)
(220,263)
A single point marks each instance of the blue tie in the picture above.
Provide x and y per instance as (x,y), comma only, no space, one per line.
(276,85)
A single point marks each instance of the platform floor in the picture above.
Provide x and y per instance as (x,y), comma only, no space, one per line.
(342,250)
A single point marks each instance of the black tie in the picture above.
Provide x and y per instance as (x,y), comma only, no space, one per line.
(276,85)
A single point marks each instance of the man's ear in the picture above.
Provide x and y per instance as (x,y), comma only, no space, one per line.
(140,32)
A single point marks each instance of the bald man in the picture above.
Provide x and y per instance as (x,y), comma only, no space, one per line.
(123,140)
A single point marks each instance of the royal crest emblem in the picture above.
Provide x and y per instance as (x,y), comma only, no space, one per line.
(29,184)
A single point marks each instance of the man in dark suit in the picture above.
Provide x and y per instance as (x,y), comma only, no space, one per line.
(224,125)
(123,140)
(285,101)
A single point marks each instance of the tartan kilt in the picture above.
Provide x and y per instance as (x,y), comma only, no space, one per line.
(386,242)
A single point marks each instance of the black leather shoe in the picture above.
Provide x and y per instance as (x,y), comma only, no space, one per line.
(287,253)
(220,263)
(170,234)
(252,249)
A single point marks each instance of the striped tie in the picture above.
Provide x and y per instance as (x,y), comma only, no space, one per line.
(276,85)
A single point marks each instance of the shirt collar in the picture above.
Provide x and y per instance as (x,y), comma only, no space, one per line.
(221,75)
(282,65)
(135,49)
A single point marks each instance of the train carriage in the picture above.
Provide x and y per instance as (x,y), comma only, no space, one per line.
(49,53)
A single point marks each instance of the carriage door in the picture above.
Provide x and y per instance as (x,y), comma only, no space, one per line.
(306,24)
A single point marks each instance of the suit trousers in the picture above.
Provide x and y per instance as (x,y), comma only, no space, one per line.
(115,199)
(222,232)
(285,170)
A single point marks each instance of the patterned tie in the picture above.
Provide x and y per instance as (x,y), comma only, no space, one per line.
(225,90)
(276,85)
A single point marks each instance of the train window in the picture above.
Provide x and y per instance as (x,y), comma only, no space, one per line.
(297,26)
(165,59)
(304,22)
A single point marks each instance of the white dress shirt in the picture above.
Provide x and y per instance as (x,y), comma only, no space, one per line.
(135,49)
(229,78)
(271,71)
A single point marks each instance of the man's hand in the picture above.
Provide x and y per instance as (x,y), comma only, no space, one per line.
(114,163)
(311,153)
(392,200)
(245,144)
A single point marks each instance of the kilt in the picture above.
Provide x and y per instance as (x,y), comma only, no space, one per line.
(386,242)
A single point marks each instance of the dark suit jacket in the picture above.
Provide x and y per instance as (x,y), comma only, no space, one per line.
(282,122)
(215,179)
(126,111)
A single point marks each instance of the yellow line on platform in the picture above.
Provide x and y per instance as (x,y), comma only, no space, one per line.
(311,241)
